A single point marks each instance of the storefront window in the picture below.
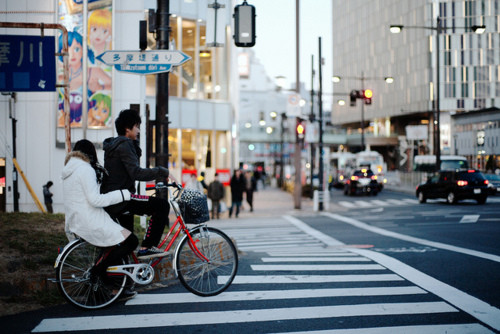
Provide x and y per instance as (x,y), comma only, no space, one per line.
(173,78)
(188,47)
(173,148)
(205,76)
(205,53)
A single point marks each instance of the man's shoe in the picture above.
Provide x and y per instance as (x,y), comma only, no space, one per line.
(127,294)
(150,253)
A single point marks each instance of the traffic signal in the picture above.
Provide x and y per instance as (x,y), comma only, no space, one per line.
(300,130)
(244,25)
(353,96)
(367,96)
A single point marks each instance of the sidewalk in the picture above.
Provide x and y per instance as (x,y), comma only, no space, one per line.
(271,201)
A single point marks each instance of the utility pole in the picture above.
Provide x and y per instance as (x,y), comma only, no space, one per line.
(320,112)
(311,119)
(161,123)
(12,115)
(297,192)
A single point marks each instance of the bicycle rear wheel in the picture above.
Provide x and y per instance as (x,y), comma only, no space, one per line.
(78,286)
(202,277)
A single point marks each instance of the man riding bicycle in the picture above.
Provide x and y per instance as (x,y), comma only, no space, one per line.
(121,160)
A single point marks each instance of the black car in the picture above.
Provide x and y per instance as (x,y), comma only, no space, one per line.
(494,183)
(362,181)
(454,186)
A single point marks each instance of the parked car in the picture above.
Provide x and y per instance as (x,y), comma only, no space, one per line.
(494,183)
(362,181)
(455,185)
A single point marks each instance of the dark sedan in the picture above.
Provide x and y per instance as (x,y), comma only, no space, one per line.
(362,181)
(494,183)
(454,186)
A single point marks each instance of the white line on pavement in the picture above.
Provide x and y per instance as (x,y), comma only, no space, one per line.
(477,308)
(304,279)
(239,316)
(427,329)
(174,298)
(315,267)
(315,259)
(381,231)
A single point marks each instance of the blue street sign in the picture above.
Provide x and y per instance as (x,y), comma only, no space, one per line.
(27,63)
(144,62)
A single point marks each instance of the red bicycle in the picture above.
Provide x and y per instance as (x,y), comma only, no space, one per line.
(205,261)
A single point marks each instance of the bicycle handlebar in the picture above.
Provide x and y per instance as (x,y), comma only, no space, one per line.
(161,185)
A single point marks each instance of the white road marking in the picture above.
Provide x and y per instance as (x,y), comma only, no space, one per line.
(475,307)
(467,219)
(174,298)
(304,279)
(239,316)
(347,204)
(427,329)
(315,267)
(315,259)
(381,231)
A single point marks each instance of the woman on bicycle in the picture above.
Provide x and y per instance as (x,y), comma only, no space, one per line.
(84,203)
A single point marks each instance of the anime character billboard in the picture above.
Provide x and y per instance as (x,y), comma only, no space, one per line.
(98,79)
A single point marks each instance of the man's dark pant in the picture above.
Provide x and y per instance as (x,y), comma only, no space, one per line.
(157,208)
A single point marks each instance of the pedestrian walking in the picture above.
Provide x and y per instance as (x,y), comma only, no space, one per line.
(47,196)
(237,187)
(250,187)
(216,194)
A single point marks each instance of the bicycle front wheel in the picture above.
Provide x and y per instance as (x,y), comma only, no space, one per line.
(78,286)
(207,265)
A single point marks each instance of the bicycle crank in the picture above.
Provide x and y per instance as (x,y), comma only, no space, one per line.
(141,273)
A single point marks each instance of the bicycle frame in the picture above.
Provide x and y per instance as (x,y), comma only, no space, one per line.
(178,227)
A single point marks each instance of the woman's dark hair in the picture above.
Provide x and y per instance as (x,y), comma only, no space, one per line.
(86,147)
(126,120)
(49,184)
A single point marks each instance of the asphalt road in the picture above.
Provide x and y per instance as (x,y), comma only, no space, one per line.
(370,265)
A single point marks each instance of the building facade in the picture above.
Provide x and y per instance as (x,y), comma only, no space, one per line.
(365,52)
(202,93)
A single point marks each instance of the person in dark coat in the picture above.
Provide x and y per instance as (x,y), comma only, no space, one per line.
(250,187)
(47,196)
(237,188)
(215,193)
(121,160)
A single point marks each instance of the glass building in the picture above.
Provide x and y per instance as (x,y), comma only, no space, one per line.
(365,52)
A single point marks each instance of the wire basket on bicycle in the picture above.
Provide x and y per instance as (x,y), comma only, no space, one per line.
(194,207)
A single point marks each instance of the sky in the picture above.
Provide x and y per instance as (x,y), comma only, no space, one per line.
(275,44)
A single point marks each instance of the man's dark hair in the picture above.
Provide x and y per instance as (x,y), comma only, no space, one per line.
(126,120)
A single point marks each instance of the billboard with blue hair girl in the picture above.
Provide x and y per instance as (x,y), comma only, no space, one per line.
(99,81)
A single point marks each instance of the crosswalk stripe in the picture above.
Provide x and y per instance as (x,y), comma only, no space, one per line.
(363,204)
(409,200)
(183,298)
(273,246)
(316,267)
(238,316)
(347,204)
(304,279)
(379,202)
(312,252)
(428,329)
(396,201)
(315,259)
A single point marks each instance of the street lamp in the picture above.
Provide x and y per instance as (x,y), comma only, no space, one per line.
(396,29)
(337,79)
